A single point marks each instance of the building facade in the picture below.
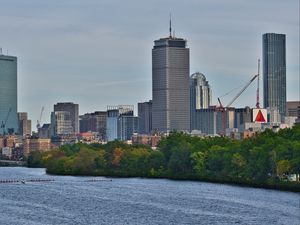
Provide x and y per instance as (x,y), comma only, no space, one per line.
(200,95)
(274,72)
(121,123)
(170,85)
(8,94)
(73,109)
(292,108)
(24,124)
(94,122)
(61,123)
(145,117)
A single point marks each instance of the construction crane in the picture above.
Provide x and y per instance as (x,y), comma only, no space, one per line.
(39,121)
(223,109)
(257,91)
(3,124)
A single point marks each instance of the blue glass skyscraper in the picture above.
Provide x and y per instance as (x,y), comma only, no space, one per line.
(274,71)
(8,94)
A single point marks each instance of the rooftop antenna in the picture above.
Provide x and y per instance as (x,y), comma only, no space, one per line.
(170,29)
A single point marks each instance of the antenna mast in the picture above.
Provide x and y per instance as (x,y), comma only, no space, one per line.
(257,91)
(170,28)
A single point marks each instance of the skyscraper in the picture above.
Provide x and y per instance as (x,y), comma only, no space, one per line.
(170,85)
(73,109)
(274,72)
(200,95)
(8,94)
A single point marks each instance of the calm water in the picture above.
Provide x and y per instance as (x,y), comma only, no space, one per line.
(74,200)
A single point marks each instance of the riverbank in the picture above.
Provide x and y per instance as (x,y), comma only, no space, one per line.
(11,163)
(280,186)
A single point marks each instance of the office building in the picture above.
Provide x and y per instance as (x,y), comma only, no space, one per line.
(145,117)
(274,72)
(61,123)
(292,108)
(200,95)
(24,124)
(242,116)
(8,94)
(94,122)
(73,109)
(170,85)
(121,123)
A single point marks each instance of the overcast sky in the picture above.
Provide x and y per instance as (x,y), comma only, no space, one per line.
(98,53)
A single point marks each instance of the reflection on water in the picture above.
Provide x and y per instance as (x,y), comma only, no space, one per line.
(77,200)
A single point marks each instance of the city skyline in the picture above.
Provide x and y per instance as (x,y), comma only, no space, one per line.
(77,52)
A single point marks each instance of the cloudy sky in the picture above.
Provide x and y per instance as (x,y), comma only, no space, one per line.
(98,52)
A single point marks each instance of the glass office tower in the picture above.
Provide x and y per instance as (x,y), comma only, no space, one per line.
(8,94)
(274,72)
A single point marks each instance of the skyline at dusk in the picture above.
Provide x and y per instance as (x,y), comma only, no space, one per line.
(99,53)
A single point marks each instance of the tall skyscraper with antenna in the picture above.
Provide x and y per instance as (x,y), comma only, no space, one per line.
(170,84)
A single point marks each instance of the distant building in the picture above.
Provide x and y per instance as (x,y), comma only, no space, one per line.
(144,139)
(170,85)
(36,144)
(24,124)
(94,122)
(145,117)
(242,115)
(45,131)
(61,123)
(292,108)
(200,95)
(73,109)
(121,123)
(205,120)
(8,94)
(274,72)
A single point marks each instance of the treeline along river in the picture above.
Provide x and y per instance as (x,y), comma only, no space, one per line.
(100,200)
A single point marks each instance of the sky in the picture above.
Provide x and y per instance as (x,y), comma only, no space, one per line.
(98,53)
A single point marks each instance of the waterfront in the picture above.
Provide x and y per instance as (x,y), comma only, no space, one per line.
(76,200)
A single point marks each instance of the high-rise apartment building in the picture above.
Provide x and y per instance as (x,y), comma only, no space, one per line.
(145,117)
(73,109)
(274,72)
(200,95)
(8,94)
(170,85)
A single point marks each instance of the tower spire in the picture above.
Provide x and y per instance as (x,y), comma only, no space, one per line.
(170,29)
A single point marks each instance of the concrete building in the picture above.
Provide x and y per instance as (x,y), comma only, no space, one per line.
(170,85)
(94,122)
(292,108)
(24,124)
(121,123)
(8,94)
(61,123)
(145,117)
(73,109)
(274,72)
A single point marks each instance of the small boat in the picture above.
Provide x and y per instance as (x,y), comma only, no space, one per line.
(23,181)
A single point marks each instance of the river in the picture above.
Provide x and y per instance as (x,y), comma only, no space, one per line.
(77,200)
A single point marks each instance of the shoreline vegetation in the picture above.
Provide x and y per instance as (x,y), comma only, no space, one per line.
(268,160)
